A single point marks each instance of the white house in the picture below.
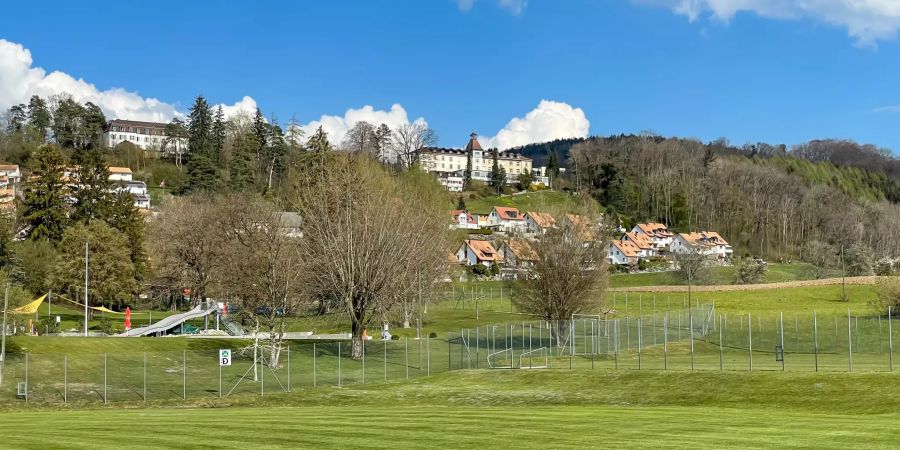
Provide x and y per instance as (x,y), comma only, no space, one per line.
(452,182)
(472,253)
(119,174)
(518,253)
(658,233)
(507,219)
(463,220)
(539,223)
(708,243)
(146,135)
(641,243)
(12,174)
(621,253)
(448,163)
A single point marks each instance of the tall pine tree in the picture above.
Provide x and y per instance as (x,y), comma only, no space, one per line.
(498,174)
(203,172)
(218,135)
(93,188)
(242,171)
(45,196)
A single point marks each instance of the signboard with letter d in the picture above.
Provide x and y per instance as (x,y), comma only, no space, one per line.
(224,357)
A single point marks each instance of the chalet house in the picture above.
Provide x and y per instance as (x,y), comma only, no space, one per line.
(507,219)
(707,243)
(119,174)
(623,253)
(472,253)
(12,175)
(518,253)
(539,223)
(658,233)
(463,219)
(642,243)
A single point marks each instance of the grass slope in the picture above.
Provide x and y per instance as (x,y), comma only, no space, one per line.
(532,201)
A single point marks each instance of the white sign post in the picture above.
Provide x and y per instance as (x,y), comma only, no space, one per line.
(224,360)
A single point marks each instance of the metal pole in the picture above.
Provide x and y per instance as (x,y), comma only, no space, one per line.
(477,339)
(105,397)
(721,350)
(385,358)
(363,361)
(816,340)
(849,342)
(26,380)
(314,364)
(692,342)
(3,344)
(781,322)
(406,354)
(184,374)
(640,326)
(145,376)
(428,354)
(750,334)
(220,379)
(339,363)
(890,342)
(86,289)
(666,341)
(289,368)
(66,378)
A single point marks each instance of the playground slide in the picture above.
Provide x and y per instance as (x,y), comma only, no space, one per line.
(173,321)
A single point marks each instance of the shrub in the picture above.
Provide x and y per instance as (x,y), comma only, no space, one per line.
(479,270)
(884,267)
(751,271)
(48,325)
(495,268)
(106,326)
(887,295)
(858,260)
(395,337)
(643,264)
(432,335)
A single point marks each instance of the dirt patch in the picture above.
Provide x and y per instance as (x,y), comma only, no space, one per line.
(751,287)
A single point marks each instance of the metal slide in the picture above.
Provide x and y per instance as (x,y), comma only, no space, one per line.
(164,325)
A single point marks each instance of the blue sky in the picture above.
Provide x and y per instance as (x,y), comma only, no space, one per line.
(690,68)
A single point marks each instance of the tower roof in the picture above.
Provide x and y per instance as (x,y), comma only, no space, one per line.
(473,142)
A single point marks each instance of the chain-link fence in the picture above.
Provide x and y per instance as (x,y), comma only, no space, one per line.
(192,374)
(693,338)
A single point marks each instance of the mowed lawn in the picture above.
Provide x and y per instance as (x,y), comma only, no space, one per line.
(398,426)
(502,409)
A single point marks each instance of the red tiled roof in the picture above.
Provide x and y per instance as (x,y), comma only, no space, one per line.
(628,248)
(640,240)
(508,213)
(522,249)
(543,220)
(656,230)
(703,239)
(484,250)
(473,143)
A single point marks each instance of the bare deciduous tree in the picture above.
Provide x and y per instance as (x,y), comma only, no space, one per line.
(408,139)
(368,238)
(570,275)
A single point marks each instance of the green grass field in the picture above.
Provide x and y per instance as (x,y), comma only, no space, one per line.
(533,201)
(663,396)
(717,276)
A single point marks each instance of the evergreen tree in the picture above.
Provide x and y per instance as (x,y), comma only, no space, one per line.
(202,175)
(67,119)
(318,142)
(218,134)
(200,120)
(552,165)
(16,117)
(39,119)
(124,216)
(461,203)
(92,194)
(242,171)
(382,141)
(92,123)
(498,174)
(45,196)
(112,280)
(467,174)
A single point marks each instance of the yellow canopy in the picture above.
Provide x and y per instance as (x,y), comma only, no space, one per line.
(30,308)
(105,310)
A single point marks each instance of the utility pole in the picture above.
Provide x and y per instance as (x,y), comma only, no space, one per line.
(85,289)
(3,339)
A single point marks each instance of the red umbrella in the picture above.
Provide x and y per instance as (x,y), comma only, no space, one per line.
(127,318)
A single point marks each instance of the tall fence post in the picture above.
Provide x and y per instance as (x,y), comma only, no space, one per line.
(721,349)
(289,368)
(105,397)
(314,364)
(816,340)
(890,342)
(428,354)
(384,341)
(691,318)
(666,341)
(66,378)
(781,323)
(220,379)
(184,374)
(26,374)
(849,342)
(640,327)
(406,354)
(339,363)
(750,339)
(145,376)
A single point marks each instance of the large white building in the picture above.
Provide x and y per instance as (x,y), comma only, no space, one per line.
(146,135)
(449,163)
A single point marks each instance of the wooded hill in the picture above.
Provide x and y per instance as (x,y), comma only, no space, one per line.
(803,202)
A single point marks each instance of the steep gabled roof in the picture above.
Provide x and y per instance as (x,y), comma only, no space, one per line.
(543,220)
(484,250)
(703,239)
(641,241)
(656,230)
(506,213)
(522,249)
(470,218)
(628,248)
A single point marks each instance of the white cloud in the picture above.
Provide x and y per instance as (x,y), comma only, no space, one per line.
(245,106)
(19,80)
(550,120)
(865,20)
(515,7)
(887,109)
(338,126)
